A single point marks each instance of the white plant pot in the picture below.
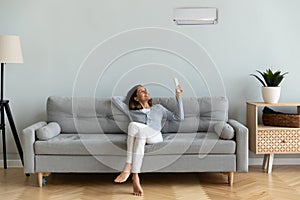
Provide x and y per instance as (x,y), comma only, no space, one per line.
(271,94)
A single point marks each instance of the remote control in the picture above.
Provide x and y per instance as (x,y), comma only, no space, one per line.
(176,83)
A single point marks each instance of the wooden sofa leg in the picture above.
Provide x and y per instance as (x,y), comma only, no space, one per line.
(230,178)
(41,178)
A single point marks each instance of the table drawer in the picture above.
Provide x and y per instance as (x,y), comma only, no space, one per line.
(278,141)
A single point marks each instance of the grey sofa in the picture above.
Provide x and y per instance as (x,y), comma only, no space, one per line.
(93,139)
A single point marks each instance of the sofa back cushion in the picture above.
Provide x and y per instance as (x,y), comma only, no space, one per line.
(86,115)
(200,114)
(93,115)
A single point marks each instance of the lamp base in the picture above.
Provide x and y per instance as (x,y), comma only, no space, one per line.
(4,107)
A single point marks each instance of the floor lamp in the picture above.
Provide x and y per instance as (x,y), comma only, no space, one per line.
(10,52)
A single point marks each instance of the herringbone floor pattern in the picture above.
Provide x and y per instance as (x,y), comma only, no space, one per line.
(283,183)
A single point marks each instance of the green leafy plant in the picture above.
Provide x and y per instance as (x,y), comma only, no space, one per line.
(270,78)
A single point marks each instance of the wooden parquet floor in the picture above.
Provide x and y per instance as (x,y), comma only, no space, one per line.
(283,183)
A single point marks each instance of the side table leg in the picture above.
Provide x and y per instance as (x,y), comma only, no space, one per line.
(265,161)
(270,163)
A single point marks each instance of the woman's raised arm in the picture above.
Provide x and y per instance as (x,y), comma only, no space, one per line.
(118,101)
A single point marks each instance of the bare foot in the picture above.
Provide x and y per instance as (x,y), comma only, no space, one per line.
(122,177)
(137,188)
(124,174)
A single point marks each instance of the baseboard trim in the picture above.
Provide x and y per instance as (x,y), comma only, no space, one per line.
(252,161)
(12,163)
(277,161)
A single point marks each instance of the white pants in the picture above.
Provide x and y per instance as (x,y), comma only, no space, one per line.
(138,135)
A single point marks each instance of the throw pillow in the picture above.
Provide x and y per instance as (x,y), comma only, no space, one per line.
(224,130)
(49,131)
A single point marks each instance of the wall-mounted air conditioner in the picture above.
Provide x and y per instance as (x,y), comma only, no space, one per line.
(195,16)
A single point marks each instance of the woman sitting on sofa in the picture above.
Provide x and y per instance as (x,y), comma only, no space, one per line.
(145,127)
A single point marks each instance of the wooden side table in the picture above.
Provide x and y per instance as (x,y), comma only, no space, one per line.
(270,140)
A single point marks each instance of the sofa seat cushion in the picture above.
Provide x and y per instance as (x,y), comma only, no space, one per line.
(115,144)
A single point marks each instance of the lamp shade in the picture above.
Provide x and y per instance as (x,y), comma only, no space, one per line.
(10,49)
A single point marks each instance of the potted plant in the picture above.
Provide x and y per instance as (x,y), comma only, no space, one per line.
(270,84)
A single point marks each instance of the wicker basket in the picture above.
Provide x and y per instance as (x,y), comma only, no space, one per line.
(284,120)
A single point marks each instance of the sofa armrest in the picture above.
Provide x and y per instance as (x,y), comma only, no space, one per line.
(241,137)
(28,141)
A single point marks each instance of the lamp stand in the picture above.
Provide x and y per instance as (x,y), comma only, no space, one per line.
(4,107)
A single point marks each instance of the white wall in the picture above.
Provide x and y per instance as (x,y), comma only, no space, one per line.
(57,37)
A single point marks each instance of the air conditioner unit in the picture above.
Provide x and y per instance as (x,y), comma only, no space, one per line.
(195,16)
